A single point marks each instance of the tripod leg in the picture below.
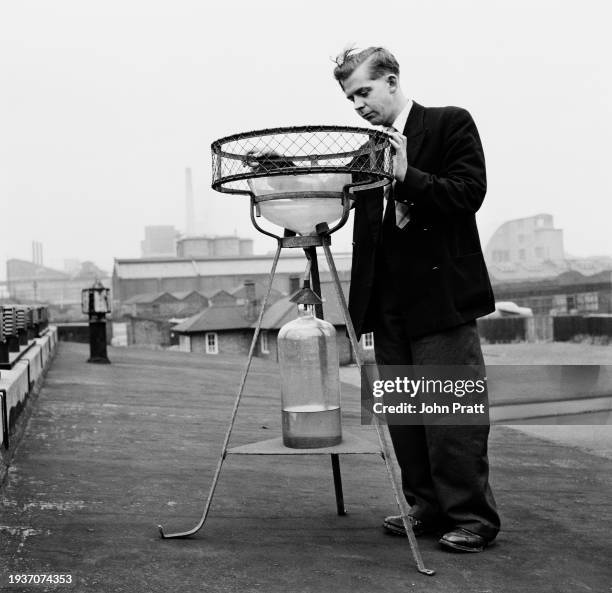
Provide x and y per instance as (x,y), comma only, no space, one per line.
(386,450)
(234,411)
(335,459)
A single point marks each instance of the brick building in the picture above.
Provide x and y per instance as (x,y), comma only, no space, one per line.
(165,304)
(229,329)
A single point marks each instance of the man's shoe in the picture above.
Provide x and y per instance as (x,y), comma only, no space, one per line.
(395,525)
(462,540)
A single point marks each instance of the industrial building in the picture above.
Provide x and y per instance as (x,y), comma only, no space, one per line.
(133,277)
(528,241)
(32,282)
(159,241)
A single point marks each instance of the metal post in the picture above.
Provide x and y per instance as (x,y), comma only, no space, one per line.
(311,254)
(13,343)
(4,352)
(97,340)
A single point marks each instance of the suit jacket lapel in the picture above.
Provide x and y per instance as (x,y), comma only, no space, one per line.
(414,131)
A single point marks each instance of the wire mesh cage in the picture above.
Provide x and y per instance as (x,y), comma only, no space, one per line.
(298,177)
(361,155)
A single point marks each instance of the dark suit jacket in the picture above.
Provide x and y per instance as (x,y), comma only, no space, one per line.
(435,264)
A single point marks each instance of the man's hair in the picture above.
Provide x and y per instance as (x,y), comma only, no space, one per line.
(381,62)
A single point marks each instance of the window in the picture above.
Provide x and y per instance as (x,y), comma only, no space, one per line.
(501,255)
(367,341)
(212,343)
(521,254)
(587,301)
(263,342)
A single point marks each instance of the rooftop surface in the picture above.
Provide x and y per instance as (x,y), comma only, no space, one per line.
(110,451)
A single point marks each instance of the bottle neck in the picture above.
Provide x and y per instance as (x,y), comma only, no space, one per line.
(305,310)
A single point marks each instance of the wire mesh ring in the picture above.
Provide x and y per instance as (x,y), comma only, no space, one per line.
(363,153)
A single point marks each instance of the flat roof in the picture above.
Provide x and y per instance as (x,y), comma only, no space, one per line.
(220,266)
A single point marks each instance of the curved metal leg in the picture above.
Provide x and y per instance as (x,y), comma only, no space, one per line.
(234,411)
(387,451)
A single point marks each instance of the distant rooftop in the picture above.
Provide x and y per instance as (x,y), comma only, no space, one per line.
(291,261)
(227,317)
(216,318)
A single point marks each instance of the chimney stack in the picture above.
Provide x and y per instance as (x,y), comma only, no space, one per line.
(37,255)
(251,300)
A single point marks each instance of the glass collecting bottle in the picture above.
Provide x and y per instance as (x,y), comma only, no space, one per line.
(310,381)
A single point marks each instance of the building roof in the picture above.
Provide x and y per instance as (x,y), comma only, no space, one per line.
(182,295)
(260,291)
(561,284)
(215,318)
(148,298)
(567,273)
(227,317)
(152,297)
(291,262)
(221,293)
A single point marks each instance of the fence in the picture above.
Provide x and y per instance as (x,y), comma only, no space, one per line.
(546,328)
(566,328)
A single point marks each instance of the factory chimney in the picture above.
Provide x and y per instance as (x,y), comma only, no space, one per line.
(37,253)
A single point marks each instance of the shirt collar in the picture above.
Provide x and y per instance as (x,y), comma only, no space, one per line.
(400,121)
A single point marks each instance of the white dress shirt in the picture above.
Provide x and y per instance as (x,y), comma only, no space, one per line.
(402,117)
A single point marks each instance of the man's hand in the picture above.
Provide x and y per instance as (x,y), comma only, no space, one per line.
(400,158)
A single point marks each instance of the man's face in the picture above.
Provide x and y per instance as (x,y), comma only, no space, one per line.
(372,99)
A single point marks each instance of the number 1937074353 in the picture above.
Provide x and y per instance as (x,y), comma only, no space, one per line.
(39,579)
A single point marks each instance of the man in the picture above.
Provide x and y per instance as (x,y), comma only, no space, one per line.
(419,281)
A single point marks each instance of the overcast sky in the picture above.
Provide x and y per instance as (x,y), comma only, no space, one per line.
(104,104)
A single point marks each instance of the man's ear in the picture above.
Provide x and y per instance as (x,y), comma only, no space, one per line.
(392,82)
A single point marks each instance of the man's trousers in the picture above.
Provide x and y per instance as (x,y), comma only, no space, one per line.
(445,469)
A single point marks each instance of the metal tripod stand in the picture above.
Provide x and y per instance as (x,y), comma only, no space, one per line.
(311,173)
(350,444)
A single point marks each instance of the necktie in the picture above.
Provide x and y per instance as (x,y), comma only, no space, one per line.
(402,211)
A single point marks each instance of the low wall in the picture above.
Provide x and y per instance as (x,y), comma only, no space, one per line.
(23,379)
(79,332)
(503,329)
